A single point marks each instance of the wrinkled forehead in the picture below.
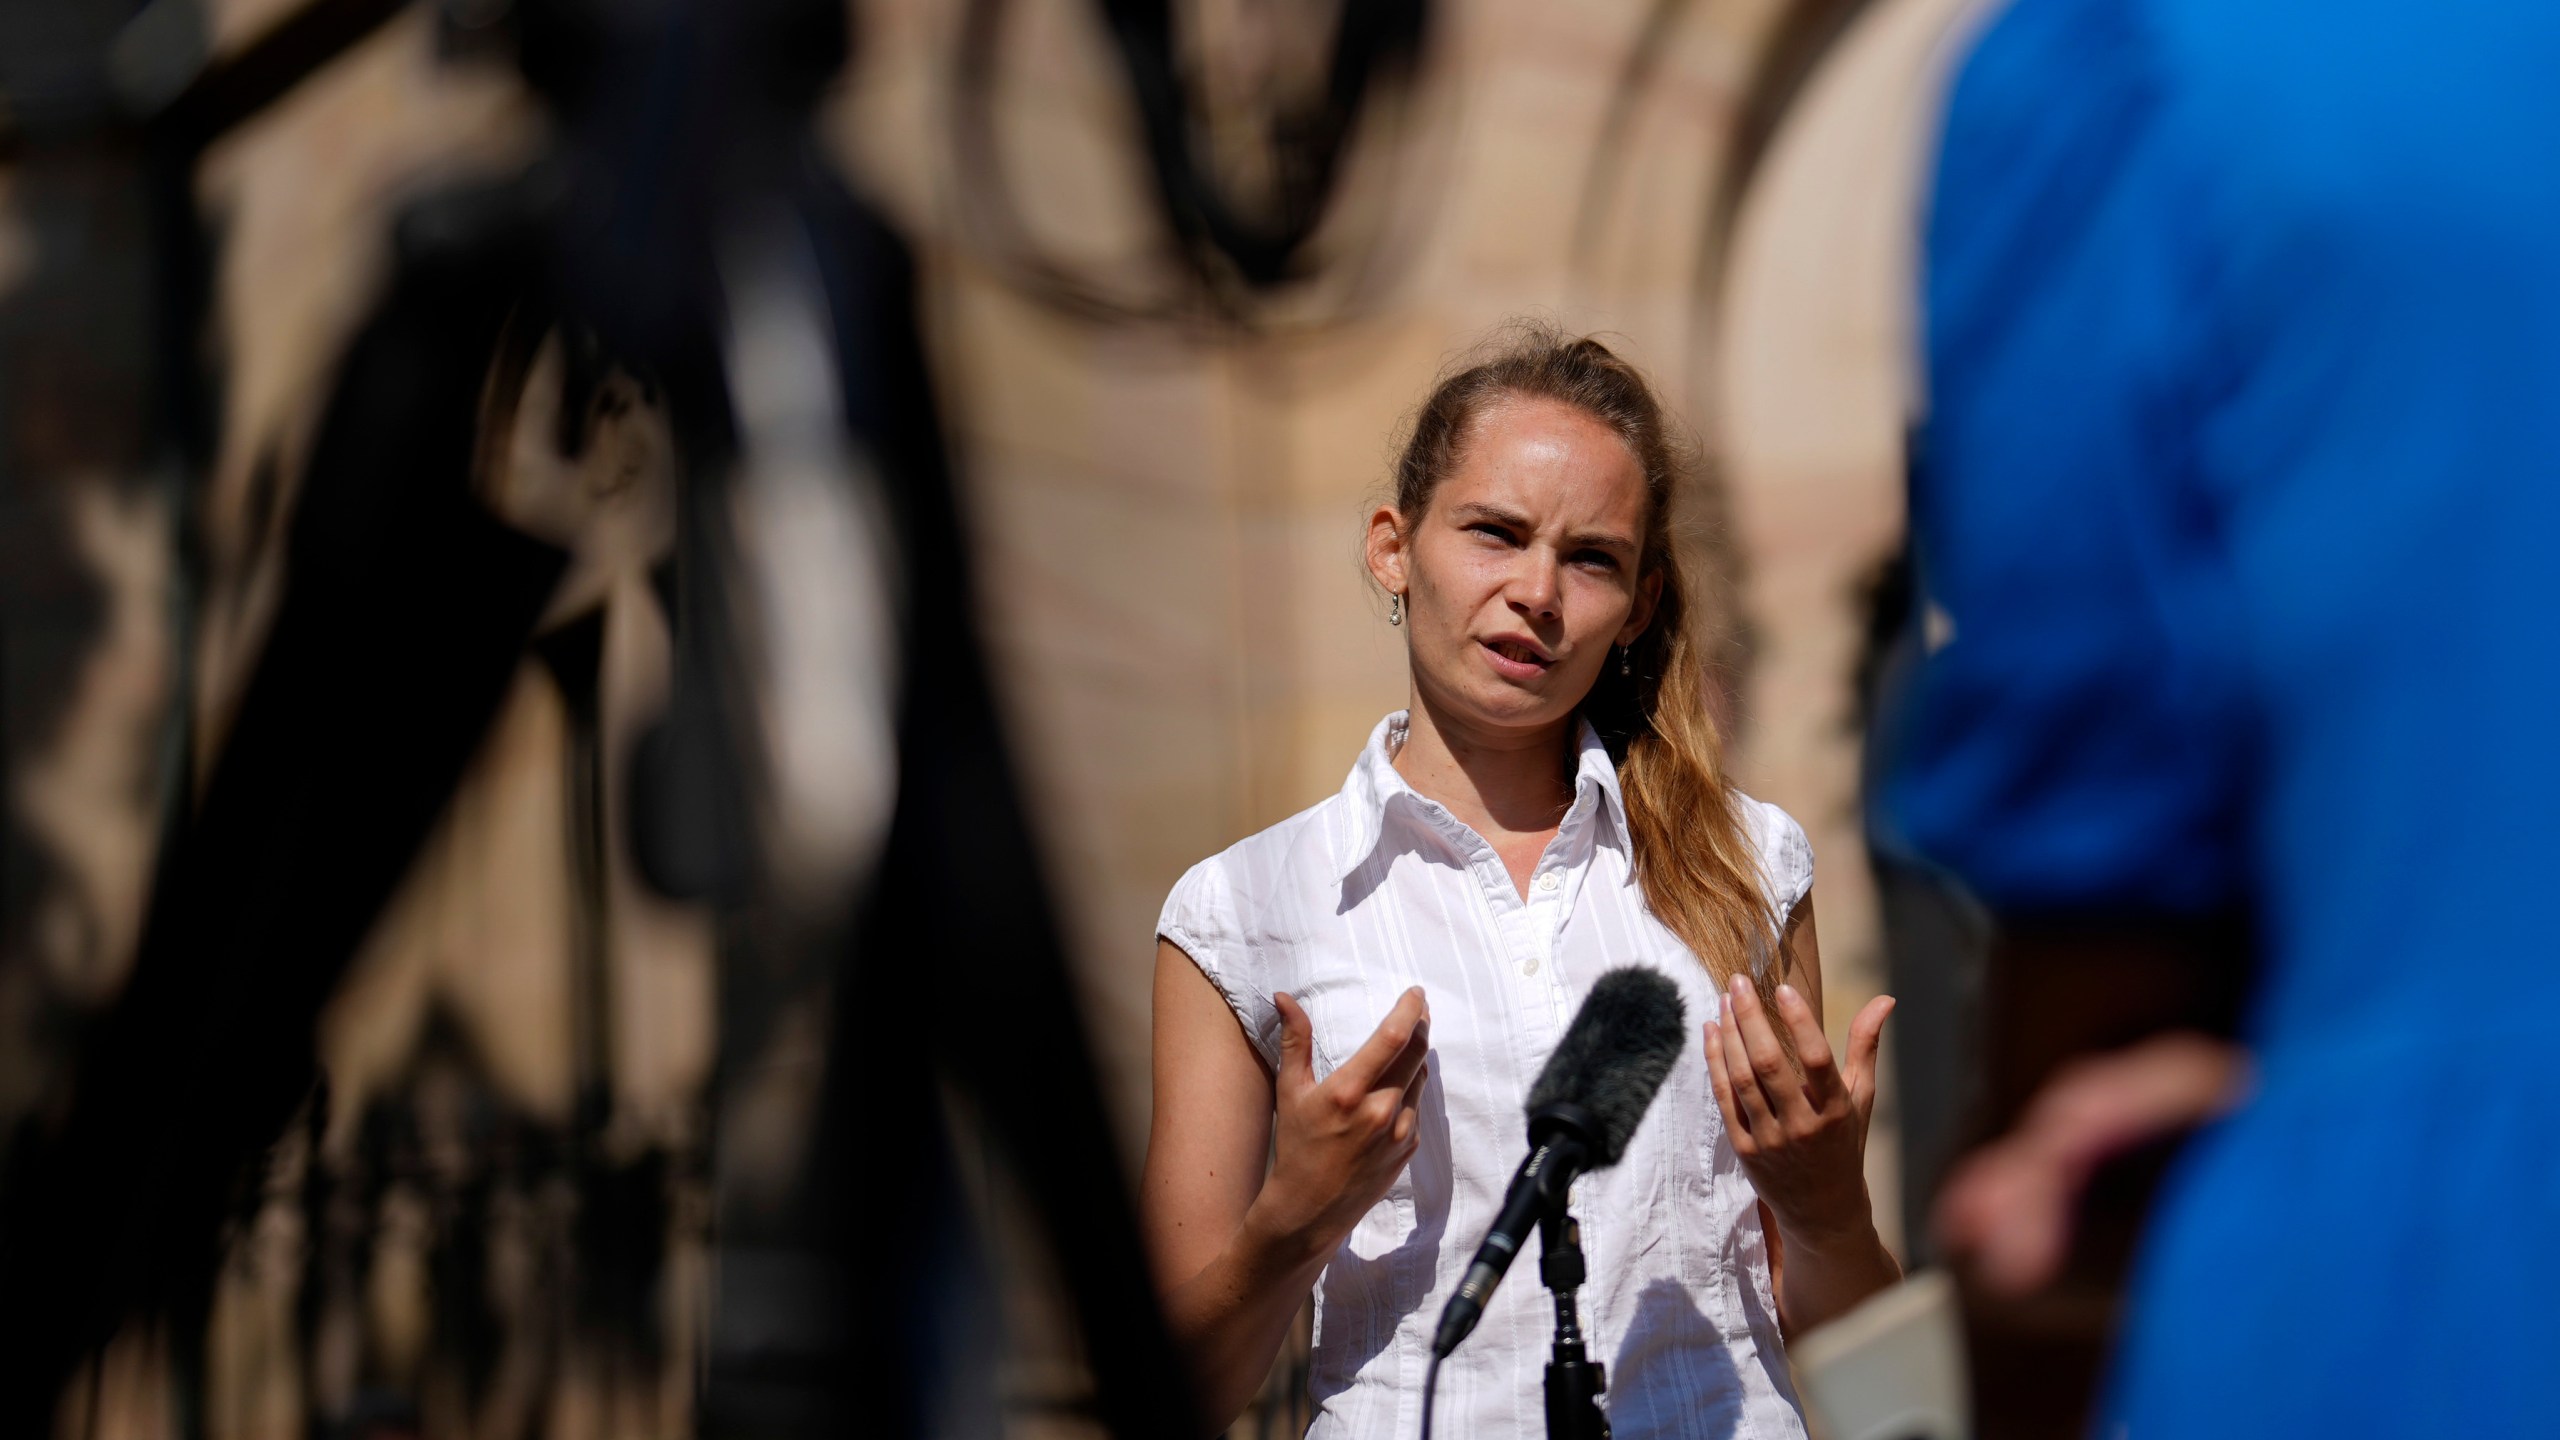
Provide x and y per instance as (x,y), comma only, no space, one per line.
(1553,463)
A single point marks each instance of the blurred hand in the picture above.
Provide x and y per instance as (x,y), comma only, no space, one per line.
(1801,1134)
(1340,1142)
(2006,1216)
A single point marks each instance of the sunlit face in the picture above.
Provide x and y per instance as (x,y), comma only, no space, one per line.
(1524,569)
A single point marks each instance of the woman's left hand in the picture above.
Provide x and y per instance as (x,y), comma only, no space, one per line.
(1801,1134)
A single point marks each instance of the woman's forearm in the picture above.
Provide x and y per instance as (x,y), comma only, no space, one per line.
(1823,1277)
(1231,1318)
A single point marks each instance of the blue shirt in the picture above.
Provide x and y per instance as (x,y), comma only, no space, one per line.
(2239,501)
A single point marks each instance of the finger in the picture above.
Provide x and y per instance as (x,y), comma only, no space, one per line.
(1866,1036)
(1759,1118)
(1721,1078)
(2103,1106)
(1959,1220)
(1767,1059)
(1408,1062)
(1297,1042)
(1409,1111)
(1362,1071)
(1822,1080)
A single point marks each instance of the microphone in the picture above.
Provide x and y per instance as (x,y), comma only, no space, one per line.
(1582,1112)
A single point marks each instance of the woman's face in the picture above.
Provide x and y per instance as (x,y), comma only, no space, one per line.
(1522,571)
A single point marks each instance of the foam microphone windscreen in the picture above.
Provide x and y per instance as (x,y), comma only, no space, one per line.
(1615,1055)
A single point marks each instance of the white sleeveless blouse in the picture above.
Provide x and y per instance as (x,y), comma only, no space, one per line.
(1377,889)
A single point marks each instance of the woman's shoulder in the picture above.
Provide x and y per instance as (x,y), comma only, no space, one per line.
(1228,912)
(1786,855)
(1253,876)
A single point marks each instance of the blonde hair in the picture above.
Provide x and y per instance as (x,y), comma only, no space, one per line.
(1699,870)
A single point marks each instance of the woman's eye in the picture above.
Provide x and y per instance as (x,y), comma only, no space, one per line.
(1492,531)
(1600,560)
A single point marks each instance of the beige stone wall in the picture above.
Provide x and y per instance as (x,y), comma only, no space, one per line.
(1168,512)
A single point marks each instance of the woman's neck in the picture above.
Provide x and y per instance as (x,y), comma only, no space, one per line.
(1503,783)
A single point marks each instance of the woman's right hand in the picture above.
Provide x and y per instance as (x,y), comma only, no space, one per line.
(1340,1142)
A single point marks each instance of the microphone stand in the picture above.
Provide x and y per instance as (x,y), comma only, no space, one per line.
(1574,1380)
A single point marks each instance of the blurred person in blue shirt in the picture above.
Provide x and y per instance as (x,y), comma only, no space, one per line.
(2236,515)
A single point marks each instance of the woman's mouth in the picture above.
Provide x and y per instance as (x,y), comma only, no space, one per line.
(1516,661)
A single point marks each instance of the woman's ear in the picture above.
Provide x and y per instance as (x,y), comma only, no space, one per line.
(1384,549)
(1640,614)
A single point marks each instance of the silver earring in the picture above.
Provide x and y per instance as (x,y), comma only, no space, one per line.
(1626,660)
(1395,609)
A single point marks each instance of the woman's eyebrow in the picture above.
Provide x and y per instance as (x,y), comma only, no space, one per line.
(1472,511)
(1603,540)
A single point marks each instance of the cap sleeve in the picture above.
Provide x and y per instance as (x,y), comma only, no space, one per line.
(1786,858)
(1200,919)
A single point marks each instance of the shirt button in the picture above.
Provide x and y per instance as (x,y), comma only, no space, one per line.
(1529,966)
(1548,881)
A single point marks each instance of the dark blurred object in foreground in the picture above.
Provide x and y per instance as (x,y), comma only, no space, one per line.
(546,341)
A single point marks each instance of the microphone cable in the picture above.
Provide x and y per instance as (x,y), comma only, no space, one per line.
(1430,1391)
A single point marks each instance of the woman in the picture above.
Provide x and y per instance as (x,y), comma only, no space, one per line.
(1351,1005)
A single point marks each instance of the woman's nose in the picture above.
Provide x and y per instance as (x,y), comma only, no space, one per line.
(1535,591)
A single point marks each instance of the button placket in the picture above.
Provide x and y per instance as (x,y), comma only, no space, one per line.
(1554,890)
(1534,908)
(1512,926)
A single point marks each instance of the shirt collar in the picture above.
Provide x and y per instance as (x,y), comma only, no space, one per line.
(1374,789)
